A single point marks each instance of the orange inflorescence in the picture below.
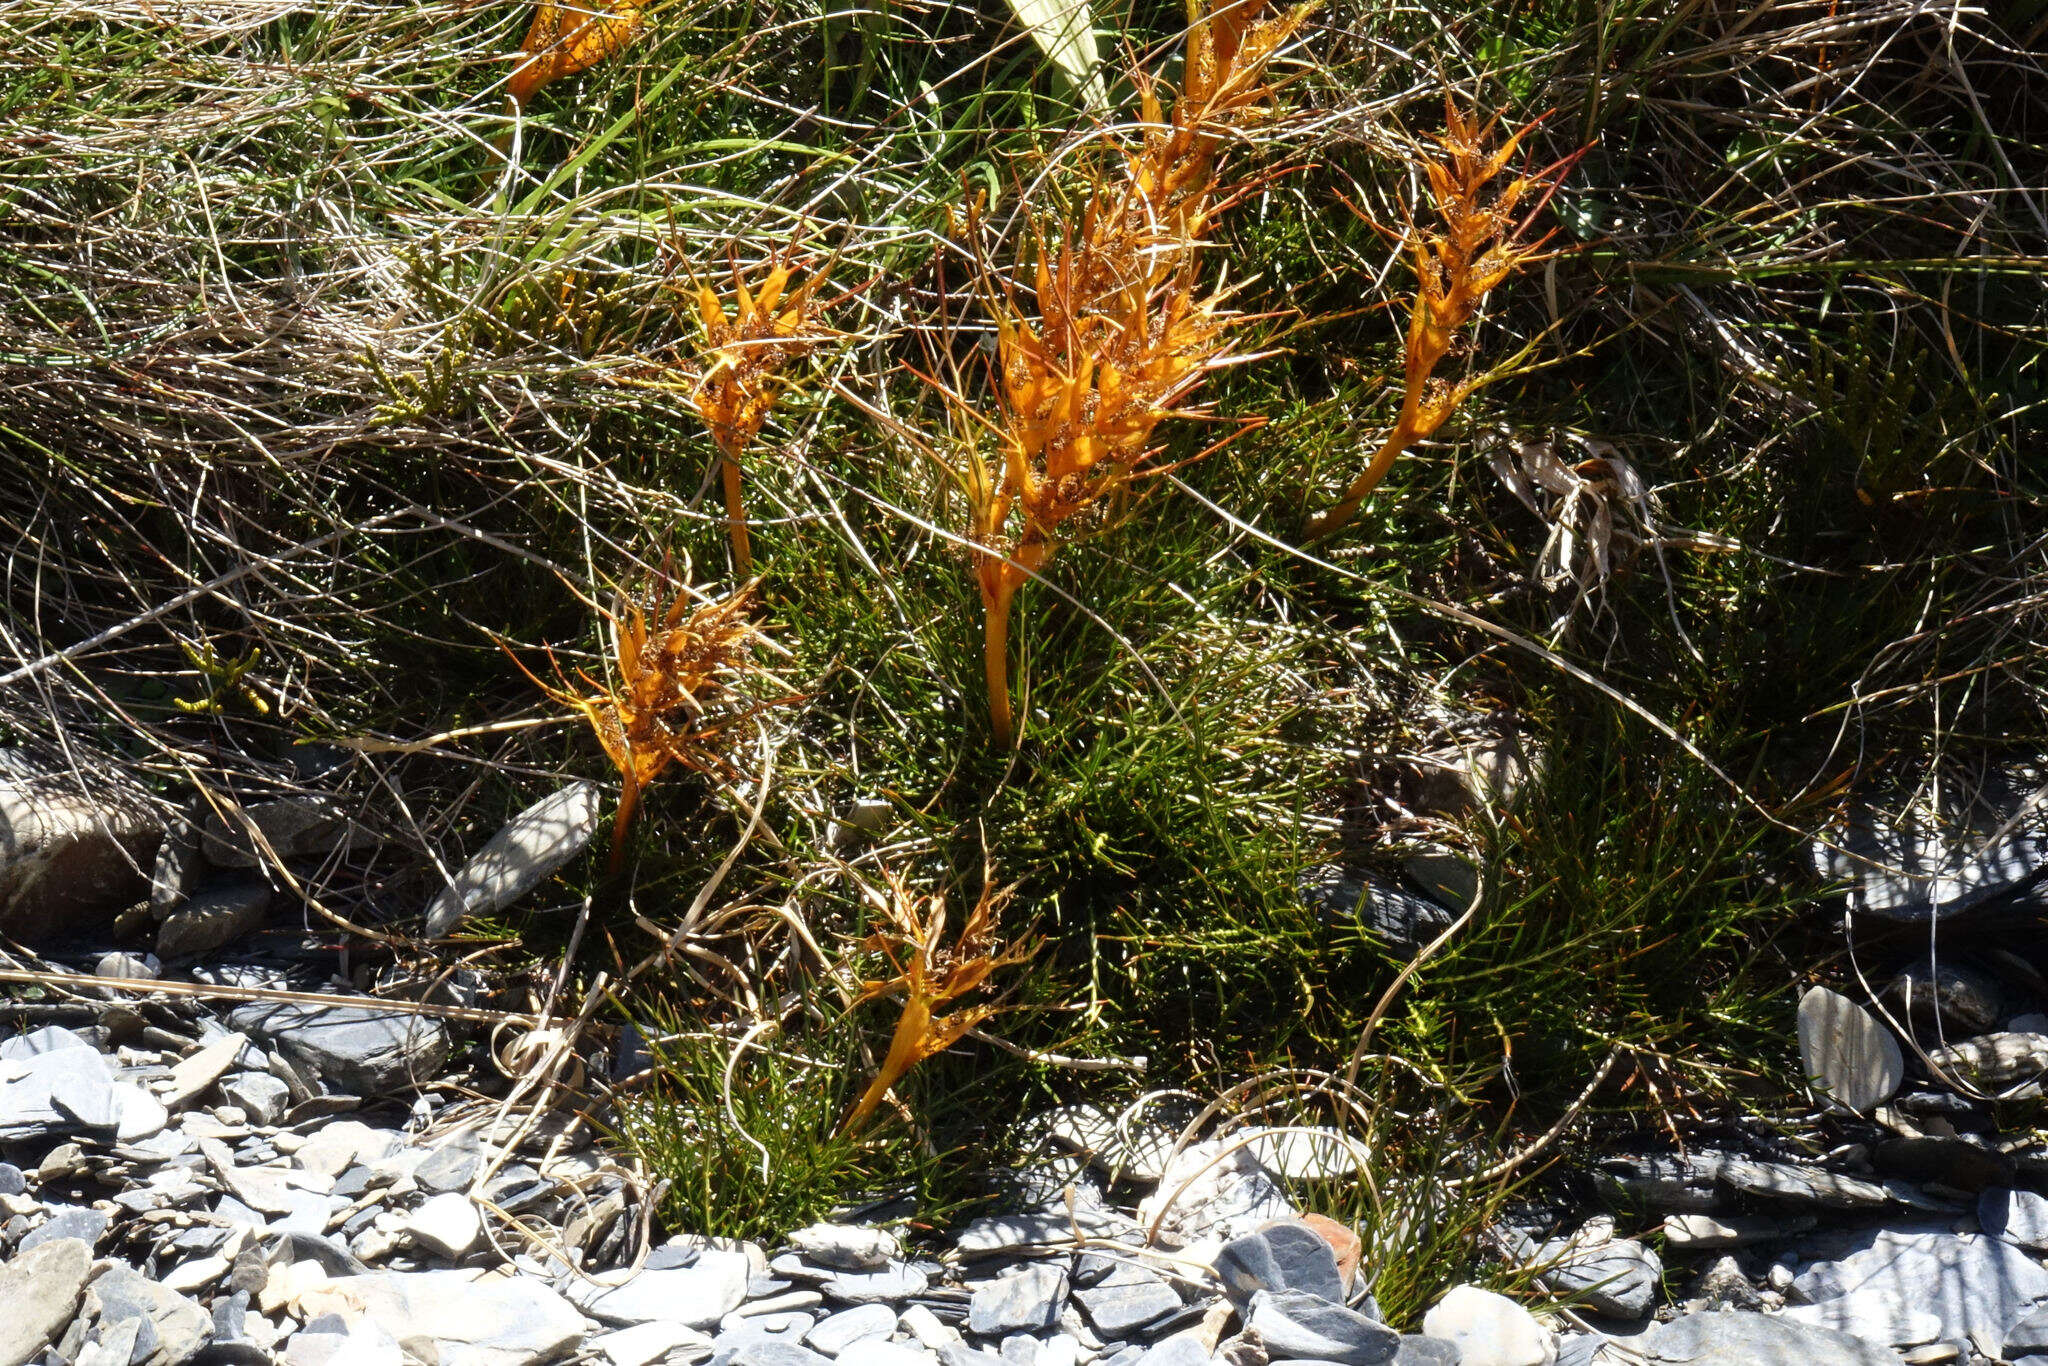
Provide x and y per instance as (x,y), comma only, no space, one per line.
(565,39)
(1123,331)
(744,353)
(928,976)
(1476,247)
(675,694)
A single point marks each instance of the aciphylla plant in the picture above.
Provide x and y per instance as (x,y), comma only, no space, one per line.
(929,976)
(1475,248)
(739,377)
(678,669)
(1122,330)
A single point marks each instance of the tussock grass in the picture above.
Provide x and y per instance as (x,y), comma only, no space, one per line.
(322,371)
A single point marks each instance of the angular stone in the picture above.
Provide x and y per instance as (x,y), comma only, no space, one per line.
(1489,1328)
(766,1351)
(1618,1277)
(67,862)
(179,1326)
(366,1050)
(524,853)
(1956,1162)
(879,1352)
(1180,1350)
(179,865)
(1974,1284)
(1995,1061)
(834,1333)
(644,1343)
(1941,996)
(452,1166)
(1014,1232)
(41,1289)
(261,1096)
(1298,1326)
(846,1247)
(447,1226)
(1213,1189)
(1125,1304)
(892,1284)
(496,1321)
(193,1076)
(66,1222)
(1417,1350)
(1397,918)
(1883,1318)
(1702,1232)
(2017,1217)
(1737,1339)
(1663,1184)
(1849,1055)
(696,1296)
(290,827)
(1284,1255)
(2028,1336)
(48,1089)
(213,917)
(1802,1185)
(1029,1300)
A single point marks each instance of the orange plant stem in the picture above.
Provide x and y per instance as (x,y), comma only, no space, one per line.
(1338,516)
(736,518)
(996,655)
(629,802)
(904,1047)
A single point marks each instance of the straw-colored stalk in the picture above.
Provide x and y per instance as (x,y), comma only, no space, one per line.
(1122,332)
(1456,265)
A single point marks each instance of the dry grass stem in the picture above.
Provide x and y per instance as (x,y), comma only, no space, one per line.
(676,689)
(1456,264)
(1123,329)
(928,976)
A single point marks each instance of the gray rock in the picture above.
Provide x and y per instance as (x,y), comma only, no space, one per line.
(1975,1285)
(2027,1336)
(1731,1339)
(530,847)
(1959,1162)
(1396,917)
(645,1343)
(141,967)
(1618,1277)
(1996,1061)
(261,1096)
(1944,997)
(87,1099)
(1702,1232)
(696,1296)
(767,1351)
(1417,1350)
(193,1076)
(1213,1189)
(1849,1055)
(180,1327)
(1298,1326)
(1128,1301)
(42,1289)
(2017,1217)
(1180,1350)
(846,1247)
(1961,848)
(67,862)
(88,1226)
(893,1283)
(516,1321)
(1801,1185)
(12,1182)
(1014,1232)
(1029,1300)
(1723,1284)
(453,1165)
(179,864)
(1662,1184)
(290,827)
(52,1086)
(213,917)
(365,1050)
(447,1225)
(1284,1255)
(836,1332)
(1880,1317)
(877,1352)
(1490,1329)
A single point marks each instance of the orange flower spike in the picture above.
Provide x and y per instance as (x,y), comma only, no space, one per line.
(565,39)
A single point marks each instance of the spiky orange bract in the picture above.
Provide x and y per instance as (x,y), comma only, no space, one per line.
(675,694)
(564,39)
(928,975)
(740,376)
(1123,331)
(1456,265)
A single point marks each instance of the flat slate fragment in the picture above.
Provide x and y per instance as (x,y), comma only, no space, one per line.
(529,847)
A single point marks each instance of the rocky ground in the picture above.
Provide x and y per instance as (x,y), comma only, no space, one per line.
(311,1175)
